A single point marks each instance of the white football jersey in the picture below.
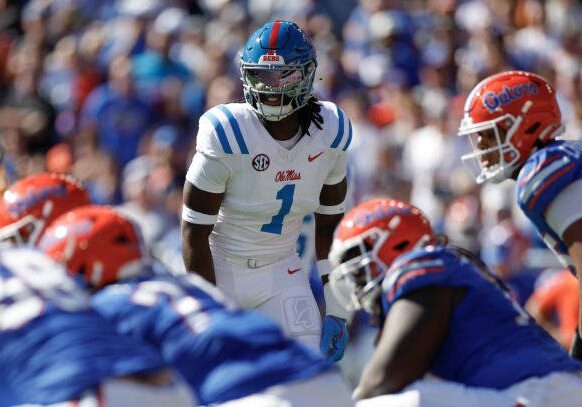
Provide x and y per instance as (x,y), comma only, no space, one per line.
(268,189)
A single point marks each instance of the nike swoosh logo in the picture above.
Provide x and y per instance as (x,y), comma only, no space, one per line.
(311,158)
(293,271)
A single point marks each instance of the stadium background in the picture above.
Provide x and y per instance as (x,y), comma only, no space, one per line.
(111,91)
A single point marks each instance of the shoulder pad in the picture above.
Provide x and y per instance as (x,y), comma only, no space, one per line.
(338,126)
(417,269)
(546,173)
(219,132)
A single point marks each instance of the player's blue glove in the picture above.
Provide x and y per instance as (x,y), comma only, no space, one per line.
(334,337)
(334,333)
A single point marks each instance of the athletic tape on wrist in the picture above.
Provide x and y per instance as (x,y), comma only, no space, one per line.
(197,218)
(332,305)
(331,210)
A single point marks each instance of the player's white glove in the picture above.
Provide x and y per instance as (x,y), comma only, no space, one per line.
(334,334)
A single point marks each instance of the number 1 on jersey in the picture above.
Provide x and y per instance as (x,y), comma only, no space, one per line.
(285,194)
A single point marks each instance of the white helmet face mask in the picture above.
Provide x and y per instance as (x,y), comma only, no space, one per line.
(31,226)
(507,156)
(476,161)
(352,281)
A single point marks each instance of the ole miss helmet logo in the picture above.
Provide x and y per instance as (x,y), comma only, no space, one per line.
(261,162)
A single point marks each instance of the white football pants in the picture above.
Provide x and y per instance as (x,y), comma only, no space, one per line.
(558,389)
(325,390)
(279,290)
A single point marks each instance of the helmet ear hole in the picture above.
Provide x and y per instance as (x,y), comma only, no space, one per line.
(402,245)
(533,128)
(82,270)
(121,239)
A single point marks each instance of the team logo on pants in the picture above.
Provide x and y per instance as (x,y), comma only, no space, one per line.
(299,314)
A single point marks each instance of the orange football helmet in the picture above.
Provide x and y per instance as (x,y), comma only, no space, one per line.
(97,243)
(520,111)
(366,242)
(30,204)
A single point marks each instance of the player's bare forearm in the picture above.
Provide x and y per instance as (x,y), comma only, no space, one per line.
(195,248)
(413,331)
(196,251)
(579,277)
(324,227)
(578,266)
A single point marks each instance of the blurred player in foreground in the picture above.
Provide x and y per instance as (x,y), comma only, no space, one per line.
(554,304)
(222,352)
(440,311)
(30,204)
(260,167)
(54,348)
(512,120)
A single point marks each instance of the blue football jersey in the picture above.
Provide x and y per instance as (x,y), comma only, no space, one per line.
(491,342)
(53,347)
(544,175)
(223,353)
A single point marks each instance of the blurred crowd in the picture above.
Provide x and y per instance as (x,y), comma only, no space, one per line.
(111,91)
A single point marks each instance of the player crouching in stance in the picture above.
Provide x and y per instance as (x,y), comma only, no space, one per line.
(223,353)
(440,311)
(56,350)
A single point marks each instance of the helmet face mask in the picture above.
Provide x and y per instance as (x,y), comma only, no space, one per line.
(366,242)
(277,70)
(25,231)
(519,111)
(355,281)
(493,157)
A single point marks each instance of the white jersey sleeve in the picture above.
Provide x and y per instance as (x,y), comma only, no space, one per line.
(208,173)
(565,208)
(219,142)
(342,138)
(339,170)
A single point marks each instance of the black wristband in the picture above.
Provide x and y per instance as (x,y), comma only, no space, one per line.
(325,279)
(576,348)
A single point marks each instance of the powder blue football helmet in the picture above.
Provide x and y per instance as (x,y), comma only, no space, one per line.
(278,66)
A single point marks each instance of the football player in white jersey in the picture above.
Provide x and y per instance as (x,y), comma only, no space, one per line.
(260,167)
